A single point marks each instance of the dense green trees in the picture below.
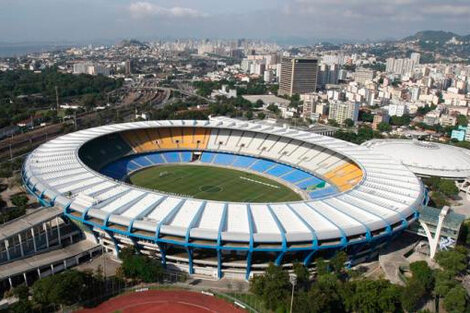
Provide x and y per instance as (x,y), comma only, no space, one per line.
(273,287)
(384,127)
(37,91)
(363,134)
(139,266)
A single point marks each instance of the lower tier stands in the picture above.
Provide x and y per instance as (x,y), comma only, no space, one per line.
(314,186)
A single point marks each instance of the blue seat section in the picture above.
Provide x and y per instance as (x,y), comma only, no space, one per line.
(120,168)
(172,157)
(207,157)
(243,161)
(142,161)
(322,192)
(156,158)
(296,176)
(279,170)
(262,165)
(309,182)
(186,156)
(224,159)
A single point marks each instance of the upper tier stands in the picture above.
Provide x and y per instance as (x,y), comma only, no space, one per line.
(332,167)
(102,150)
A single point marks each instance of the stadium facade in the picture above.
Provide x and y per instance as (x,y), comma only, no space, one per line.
(353,199)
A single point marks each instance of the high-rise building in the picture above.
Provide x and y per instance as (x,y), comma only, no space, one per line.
(363,75)
(298,76)
(340,111)
(415,57)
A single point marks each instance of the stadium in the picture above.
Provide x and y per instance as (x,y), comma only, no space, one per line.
(225,197)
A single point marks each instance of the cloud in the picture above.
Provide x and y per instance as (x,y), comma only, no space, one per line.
(144,9)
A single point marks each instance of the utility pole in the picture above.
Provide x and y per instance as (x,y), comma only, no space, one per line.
(57,99)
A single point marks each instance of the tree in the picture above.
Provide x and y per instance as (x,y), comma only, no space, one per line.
(338,261)
(348,122)
(302,274)
(423,274)
(456,300)
(333,123)
(19,200)
(453,261)
(261,116)
(462,120)
(273,108)
(448,188)
(273,287)
(371,296)
(249,115)
(259,103)
(412,294)
(444,282)
(384,127)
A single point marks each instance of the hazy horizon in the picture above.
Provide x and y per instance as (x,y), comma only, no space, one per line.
(101,20)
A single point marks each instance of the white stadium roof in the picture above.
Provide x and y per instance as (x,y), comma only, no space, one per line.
(425,158)
(387,194)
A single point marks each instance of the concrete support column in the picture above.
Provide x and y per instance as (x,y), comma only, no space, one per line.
(7,249)
(65,264)
(248,265)
(58,230)
(25,279)
(44,226)
(39,272)
(434,240)
(11,282)
(219,264)
(190,259)
(52,268)
(21,245)
(34,240)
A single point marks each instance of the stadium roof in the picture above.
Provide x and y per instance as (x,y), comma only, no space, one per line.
(388,194)
(425,158)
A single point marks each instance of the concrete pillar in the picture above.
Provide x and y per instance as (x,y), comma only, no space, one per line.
(58,230)
(52,268)
(44,226)
(434,241)
(25,279)
(65,264)
(34,240)
(39,272)
(21,245)
(7,249)
(11,282)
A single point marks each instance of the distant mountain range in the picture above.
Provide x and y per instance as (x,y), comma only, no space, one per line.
(436,36)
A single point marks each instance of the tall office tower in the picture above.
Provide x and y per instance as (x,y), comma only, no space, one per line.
(415,57)
(298,76)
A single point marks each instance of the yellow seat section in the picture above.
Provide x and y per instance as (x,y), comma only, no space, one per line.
(133,140)
(166,140)
(344,176)
(146,143)
(201,137)
(154,137)
(188,138)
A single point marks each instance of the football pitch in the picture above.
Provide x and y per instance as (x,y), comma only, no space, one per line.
(213,183)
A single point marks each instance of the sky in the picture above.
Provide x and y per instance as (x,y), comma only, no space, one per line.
(94,20)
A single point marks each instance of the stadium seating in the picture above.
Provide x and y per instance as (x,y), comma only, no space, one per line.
(227,145)
(224,159)
(262,165)
(103,149)
(243,161)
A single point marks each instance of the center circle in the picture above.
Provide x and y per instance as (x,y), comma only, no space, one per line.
(209,188)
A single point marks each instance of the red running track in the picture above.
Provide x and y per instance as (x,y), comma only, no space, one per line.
(167,301)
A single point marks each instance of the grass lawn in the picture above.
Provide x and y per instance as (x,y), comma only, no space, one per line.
(213,183)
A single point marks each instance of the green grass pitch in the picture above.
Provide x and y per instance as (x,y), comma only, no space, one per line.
(213,183)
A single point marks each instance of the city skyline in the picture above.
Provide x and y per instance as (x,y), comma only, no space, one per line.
(86,20)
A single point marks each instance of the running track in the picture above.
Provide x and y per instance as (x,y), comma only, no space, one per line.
(165,301)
